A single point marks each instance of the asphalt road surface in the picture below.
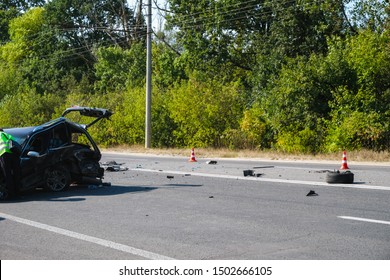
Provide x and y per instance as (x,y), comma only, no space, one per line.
(161,207)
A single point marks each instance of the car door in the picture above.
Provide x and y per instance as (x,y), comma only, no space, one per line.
(33,160)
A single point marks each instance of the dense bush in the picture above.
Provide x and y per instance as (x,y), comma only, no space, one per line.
(360,113)
(203,109)
(28,108)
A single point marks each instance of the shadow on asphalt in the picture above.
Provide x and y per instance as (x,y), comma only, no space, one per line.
(77,193)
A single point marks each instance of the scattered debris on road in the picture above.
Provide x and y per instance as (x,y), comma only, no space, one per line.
(113,166)
(312,193)
(250,172)
(212,162)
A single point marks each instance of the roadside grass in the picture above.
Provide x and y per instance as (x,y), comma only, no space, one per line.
(365,156)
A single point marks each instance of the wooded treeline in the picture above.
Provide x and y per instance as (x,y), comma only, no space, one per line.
(300,76)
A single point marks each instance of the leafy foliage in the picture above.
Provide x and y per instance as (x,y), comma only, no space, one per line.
(360,114)
(36,108)
(299,76)
(203,109)
(117,68)
(10,9)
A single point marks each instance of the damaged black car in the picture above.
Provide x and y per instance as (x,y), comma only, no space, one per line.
(58,153)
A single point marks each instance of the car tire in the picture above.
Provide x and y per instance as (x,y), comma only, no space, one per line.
(57,179)
(337,177)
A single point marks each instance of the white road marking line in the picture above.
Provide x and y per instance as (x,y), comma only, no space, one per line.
(364,220)
(260,179)
(95,240)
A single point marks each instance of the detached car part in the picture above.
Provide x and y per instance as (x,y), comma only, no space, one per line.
(337,177)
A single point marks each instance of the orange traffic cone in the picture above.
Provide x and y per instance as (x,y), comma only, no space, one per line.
(192,159)
(344,164)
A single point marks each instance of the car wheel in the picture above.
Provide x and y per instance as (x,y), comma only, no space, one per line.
(337,177)
(57,179)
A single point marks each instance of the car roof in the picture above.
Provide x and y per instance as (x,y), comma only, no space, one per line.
(22,133)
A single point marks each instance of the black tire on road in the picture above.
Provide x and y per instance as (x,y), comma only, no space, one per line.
(338,177)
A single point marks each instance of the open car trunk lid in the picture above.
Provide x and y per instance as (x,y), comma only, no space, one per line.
(97,113)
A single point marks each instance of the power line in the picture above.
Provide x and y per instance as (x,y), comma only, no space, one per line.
(189,21)
(234,8)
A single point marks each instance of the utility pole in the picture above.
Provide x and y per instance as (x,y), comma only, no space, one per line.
(148,113)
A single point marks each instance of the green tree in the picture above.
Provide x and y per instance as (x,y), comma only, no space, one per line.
(34,52)
(360,115)
(22,29)
(117,69)
(301,27)
(370,14)
(297,99)
(203,109)
(20,48)
(168,68)
(295,104)
(82,27)
(10,80)
(10,9)
(85,23)
(54,48)
(216,32)
(235,31)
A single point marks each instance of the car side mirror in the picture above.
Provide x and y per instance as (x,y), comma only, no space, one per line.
(33,154)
